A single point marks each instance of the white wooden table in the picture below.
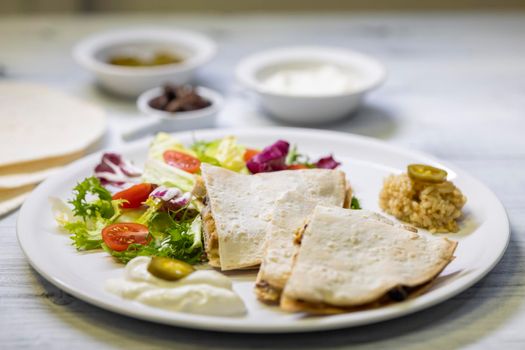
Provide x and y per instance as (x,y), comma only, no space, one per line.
(456,89)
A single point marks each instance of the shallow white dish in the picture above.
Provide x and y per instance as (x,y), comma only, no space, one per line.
(482,240)
(92,54)
(366,73)
(178,121)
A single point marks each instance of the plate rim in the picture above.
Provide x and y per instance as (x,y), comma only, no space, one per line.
(225,324)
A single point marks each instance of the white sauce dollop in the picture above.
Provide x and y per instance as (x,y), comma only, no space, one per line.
(318,80)
(204,292)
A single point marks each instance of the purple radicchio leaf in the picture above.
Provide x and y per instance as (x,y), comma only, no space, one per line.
(115,171)
(272,158)
(327,162)
(172,198)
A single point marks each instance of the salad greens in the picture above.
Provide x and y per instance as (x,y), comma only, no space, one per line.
(163,142)
(225,152)
(159,173)
(354,204)
(162,215)
(95,209)
(294,157)
(180,240)
(174,234)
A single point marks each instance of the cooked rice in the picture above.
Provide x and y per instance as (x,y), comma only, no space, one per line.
(435,207)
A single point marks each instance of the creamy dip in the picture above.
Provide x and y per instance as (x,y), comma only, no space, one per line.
(204,292)
(314,80)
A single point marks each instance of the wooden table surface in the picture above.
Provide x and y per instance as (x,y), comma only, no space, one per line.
(456,89)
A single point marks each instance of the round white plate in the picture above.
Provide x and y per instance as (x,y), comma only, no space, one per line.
(482,240)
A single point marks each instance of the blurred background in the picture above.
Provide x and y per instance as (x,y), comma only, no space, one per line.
(86,6)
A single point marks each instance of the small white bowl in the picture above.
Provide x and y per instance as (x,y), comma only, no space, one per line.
(174,121)
(367,73)
(93,53)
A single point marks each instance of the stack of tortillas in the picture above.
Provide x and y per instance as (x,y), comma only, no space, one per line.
(41,130)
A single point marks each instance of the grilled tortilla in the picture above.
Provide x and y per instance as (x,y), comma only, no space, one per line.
(289,215)
(355,258)
(239,208)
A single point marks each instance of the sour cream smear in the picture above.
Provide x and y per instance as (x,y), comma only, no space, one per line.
(204,292)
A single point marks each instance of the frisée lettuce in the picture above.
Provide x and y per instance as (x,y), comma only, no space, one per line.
(93,209)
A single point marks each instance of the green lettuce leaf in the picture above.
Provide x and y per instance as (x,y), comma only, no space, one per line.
(163,142)
(86,235)
(98,205)
(156,171)
(225,152)
(159,173)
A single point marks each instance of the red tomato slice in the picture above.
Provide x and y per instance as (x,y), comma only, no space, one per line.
(135,195)
(182,161)
(250,153)
(297,167)
(119,236)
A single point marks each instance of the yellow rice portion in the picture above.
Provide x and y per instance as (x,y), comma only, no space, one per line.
(432,206)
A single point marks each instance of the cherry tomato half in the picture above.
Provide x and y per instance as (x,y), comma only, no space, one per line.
(297,167)
(119,236)
(250,153)
(135,195)
(182,161)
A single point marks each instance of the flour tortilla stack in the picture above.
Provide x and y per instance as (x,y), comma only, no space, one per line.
(41,130)
(12,198)
(239,208)
(23,174)
(289,215)
(354,258)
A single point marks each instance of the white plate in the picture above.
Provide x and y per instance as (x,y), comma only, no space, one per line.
(482,239)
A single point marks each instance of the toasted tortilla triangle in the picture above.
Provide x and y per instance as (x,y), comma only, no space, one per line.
(289,215)
(240,207)
(351,258)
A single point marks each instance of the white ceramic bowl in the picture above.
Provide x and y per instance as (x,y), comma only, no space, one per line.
(366,74)
(93,53)
(159,120)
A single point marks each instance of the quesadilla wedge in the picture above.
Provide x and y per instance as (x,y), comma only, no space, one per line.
(289,215)
(239,208)
(350,259)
